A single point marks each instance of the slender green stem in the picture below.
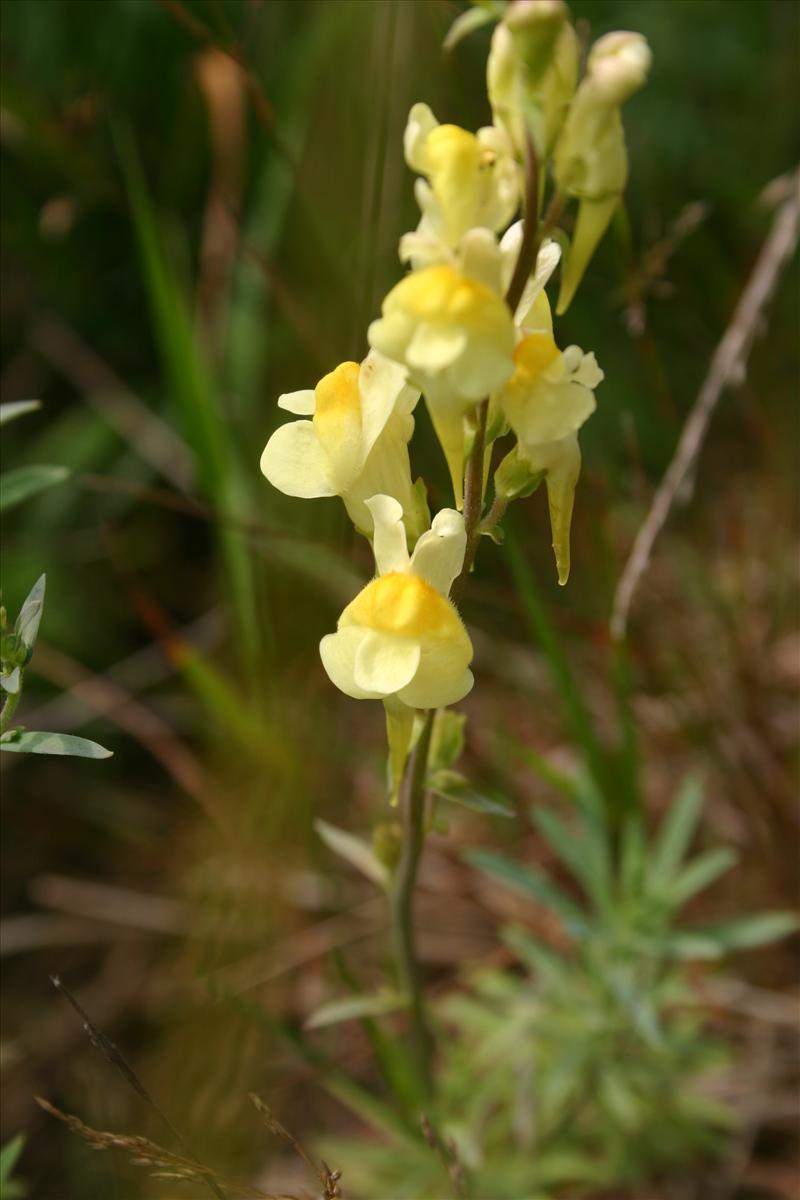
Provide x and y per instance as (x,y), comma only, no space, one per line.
(9,708)
(413,791)
(412,801)
(473,500)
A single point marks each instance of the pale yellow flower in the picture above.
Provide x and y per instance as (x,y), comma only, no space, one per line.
(470,180)
(591,160)
(355,445)
(401,639)
(452,330)
(545,402)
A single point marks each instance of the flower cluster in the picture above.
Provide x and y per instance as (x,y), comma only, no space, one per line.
(470,329)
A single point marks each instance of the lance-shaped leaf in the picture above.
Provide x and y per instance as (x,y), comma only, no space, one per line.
(351,1008)
(27,624)
(17,408)
(30,742)
(355,851)
(23,482)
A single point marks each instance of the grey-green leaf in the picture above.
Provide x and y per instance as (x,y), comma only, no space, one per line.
(677,829)
(11,683)
(584,853)
(476,801)
(700,874)
(355,851)
(747,933)
(527,881)
(23,482)
(17,408)
(27,623)
(30,742)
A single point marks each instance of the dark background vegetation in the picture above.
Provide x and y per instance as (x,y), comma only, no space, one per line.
(184,239)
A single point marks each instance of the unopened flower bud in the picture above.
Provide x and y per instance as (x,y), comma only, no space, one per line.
(534,25)
(591,160)
(618,65)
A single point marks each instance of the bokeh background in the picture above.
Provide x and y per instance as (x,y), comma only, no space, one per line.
(201,203)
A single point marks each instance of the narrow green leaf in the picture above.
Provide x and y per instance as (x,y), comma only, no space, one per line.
(567,785)
(355,851)
(8,1160)
(27,624)
(476,801)
(529,882)
(747,933)
(465,24)
(17,408)
(23,482)
(351,1008)
(190,380)
(692,944)
(583,853)
(539,959)
(699,874)
(677,829)
(632,857)
(29,742)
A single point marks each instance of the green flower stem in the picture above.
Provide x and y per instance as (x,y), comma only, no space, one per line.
(412,801)
(9,708)
(473,500)
(413,790)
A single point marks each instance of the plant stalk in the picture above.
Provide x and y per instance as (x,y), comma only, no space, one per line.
(412,802)
(9,708)
(412,793)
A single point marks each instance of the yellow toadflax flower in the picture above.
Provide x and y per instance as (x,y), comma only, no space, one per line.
(471,180)
(355,445)
(401,639)
(545,402)
(451,328)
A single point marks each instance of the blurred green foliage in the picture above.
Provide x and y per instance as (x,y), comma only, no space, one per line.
(182,241)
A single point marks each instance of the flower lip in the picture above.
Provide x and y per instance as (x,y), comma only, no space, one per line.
(404,605)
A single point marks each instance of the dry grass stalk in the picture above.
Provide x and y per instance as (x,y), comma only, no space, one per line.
(727,368)
(327,1177)
(161,1163)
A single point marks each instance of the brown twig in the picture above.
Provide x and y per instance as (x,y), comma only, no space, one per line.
(531,234)
(327,1177)
(727,368)
(261,105)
